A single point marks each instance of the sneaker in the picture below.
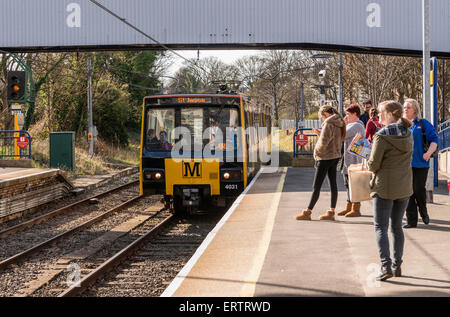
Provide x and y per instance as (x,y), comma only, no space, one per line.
(384,274)
(409,226)
(397,270)
(426,220)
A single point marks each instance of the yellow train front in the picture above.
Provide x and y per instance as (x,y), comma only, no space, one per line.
(195,149)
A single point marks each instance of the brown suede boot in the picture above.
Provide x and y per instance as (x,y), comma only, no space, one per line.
(355,210)
(329,215)
(347,209)
(304,215)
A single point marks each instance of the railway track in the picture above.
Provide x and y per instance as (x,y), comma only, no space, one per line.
(40,252)
(95,266)
(25,238)
(148,265)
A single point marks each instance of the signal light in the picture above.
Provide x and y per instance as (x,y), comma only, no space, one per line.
(16,85)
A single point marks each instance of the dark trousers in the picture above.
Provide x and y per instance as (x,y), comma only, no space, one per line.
(325,168)
(385,209)
(418,201)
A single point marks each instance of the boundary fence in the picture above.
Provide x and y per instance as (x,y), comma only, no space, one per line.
(8,144)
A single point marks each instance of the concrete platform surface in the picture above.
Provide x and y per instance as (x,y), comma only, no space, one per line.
(13,175)
(259,249)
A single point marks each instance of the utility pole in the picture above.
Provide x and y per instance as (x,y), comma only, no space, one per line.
(341,93)
(426,59)
(443,91)
(274,105)
(302,105)
(426,86)
(90,121)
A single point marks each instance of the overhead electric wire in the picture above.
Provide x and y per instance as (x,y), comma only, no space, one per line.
(146,35)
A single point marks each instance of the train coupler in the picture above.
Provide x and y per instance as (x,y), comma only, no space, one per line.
(191,197)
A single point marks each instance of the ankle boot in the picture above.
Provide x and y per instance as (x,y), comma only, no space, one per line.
(304,215)
(355,210)
(329,215)
(347,209)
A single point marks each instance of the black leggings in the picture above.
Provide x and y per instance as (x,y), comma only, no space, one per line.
(323,168)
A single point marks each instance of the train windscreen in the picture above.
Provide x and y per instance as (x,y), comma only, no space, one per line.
(210,125)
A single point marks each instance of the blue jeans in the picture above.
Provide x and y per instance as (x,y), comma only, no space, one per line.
(385,209)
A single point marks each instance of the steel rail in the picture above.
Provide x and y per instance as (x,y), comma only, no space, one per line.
(59,211)
(114,261)
(19,256)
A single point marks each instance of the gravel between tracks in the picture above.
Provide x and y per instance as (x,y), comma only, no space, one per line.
(24,239)
(15,276)
(155,265)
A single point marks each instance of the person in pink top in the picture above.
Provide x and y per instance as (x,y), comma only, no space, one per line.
(373,125)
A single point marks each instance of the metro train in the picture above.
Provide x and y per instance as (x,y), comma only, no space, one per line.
(200,150)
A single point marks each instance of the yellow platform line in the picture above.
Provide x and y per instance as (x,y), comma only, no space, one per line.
(248,290)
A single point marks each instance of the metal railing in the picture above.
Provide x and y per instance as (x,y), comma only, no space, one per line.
(444,136)
(8,144)
(307,149)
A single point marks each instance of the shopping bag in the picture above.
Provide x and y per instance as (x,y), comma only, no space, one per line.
(359,182)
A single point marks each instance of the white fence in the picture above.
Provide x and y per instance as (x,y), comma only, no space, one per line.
(286,124)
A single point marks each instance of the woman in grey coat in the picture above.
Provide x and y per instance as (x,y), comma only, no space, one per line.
(354,127)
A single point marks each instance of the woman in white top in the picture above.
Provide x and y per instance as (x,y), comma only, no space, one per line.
(354,126)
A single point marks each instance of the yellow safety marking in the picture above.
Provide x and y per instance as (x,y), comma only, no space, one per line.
(248,290)
(16,135)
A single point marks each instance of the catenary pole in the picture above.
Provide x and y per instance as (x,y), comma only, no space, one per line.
(341,93)
(90,120)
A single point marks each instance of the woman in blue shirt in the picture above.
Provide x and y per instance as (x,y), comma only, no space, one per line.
(420,162)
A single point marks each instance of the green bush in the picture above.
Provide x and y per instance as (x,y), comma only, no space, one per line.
(110,115)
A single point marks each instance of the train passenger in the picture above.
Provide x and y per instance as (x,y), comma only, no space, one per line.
(151,136)
(327,153)
(421,130)
(152,141)
(391,184)
(165,145)
(373,125)
(354,127)
(365,116)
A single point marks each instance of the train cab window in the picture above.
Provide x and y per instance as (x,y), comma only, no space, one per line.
(160,125)
(192,119)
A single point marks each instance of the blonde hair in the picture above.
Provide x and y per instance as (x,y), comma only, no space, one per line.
(396,109)
(415,105)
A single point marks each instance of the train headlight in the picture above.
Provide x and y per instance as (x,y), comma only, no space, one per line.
(148,175)
(158,175)
(226,175)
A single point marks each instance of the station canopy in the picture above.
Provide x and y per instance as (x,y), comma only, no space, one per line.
(380,26)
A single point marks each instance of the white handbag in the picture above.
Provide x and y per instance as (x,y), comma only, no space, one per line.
(359,182)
